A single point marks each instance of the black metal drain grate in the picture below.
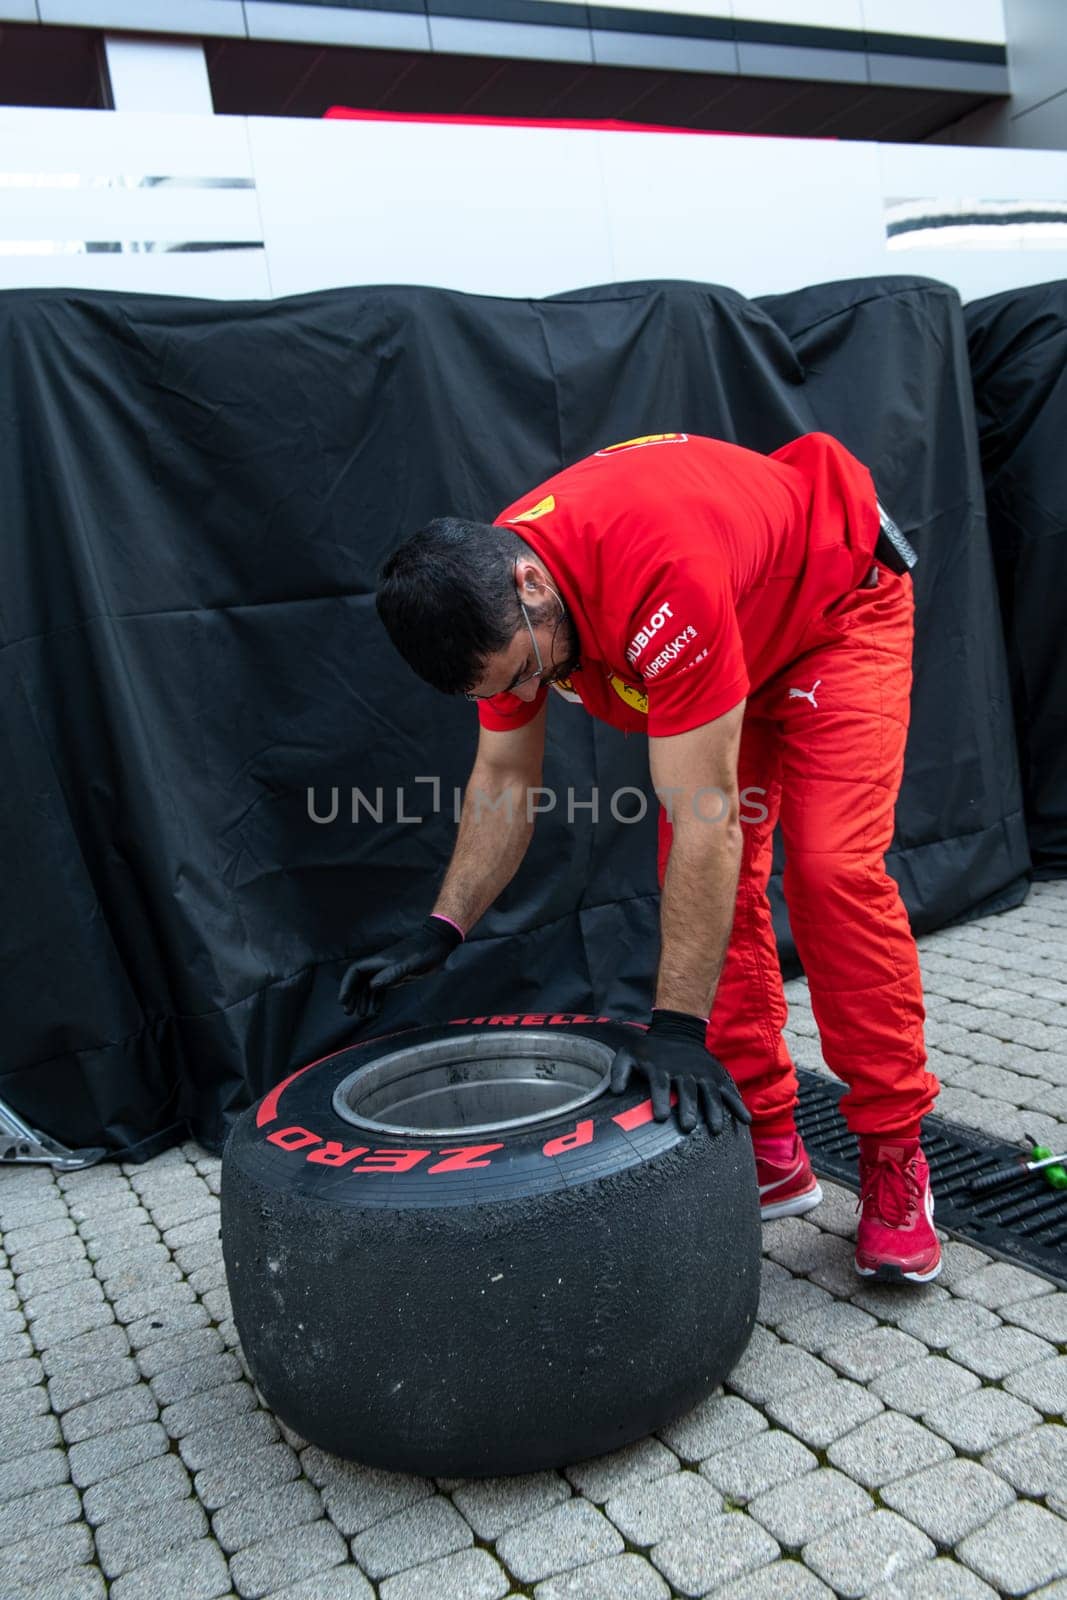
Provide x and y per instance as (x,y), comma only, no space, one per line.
(1024,1222)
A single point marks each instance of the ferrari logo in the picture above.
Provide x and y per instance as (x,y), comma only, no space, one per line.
(635,698)
(541,509)
(645,438)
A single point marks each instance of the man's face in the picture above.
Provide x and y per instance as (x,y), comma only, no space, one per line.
(516,668)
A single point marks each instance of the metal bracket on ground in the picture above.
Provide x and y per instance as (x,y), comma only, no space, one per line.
(21,1143)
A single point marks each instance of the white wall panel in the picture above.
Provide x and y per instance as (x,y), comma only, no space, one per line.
(762,215)
(492,210)
(981,21)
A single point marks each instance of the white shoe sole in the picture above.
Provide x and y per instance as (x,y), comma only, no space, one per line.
(890,1274)
(794,1207)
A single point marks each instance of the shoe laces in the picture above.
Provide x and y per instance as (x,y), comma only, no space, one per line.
(893,1189)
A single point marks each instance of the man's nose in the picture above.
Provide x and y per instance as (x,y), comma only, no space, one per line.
(528,691)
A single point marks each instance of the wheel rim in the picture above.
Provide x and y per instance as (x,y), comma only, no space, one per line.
(475,1083)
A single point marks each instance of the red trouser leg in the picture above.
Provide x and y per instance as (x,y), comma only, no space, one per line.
(829,757)
(842,763)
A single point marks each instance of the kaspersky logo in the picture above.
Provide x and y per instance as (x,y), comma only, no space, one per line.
(644,636)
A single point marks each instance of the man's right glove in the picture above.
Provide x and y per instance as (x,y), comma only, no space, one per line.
(366,980)
(672,1056)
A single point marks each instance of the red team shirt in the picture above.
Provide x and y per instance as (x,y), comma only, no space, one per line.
(691,570)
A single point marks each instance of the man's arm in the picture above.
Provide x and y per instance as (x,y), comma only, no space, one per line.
(495,825)
(695,775)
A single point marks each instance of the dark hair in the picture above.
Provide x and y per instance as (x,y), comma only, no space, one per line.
(447,599)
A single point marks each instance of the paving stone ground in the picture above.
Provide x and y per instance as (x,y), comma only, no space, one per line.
(879,1442)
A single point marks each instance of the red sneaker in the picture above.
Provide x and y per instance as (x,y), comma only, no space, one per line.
(895,1239)
(787,1185)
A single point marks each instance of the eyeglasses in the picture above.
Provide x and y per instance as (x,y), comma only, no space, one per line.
(528,677)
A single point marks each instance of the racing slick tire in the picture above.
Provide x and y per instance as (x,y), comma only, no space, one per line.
(452,1251)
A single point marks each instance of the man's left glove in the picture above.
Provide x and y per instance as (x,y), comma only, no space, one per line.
(673,1055)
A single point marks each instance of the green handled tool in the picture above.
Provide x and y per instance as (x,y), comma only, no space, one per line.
(1041,1160)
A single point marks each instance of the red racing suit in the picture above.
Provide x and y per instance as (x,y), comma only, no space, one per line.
(697,574)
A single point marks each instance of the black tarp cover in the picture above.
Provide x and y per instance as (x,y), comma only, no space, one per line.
(1018,344)
(197,496)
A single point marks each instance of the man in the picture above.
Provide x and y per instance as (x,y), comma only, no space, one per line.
(754,616)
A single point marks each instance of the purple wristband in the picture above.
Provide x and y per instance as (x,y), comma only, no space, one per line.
(440,917)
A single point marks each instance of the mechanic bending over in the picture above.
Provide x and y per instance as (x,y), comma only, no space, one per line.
(754,616)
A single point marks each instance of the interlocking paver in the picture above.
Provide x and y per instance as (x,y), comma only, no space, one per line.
(949,1500)
(625,1577)
(285,1558)
(1019,1550)
(75,1583)
(145,1300)
(20,1372)
(694,1560)
(944,1322)
(795,1513)
(90,1382)
(1035,1463)
(338,1583)
(757,1464)
(58,1327)
(358,1497)
(165,1323)
(60,1360)
(492,1505)
(1047,1316)
(259,1470)
(32,1434)
(981,1420)
(827,1326)
(143,1535)
(178,1351)
(779,1372)
(710,1426)
(38,1471)
(889,1446)
(43,1280)
(819,1416)
(466,1575)
(258,1516)
(1001,1284)
(604,1476)
(942,1579)
(162,1478)
(783,1580)
(96,1459)
(859,1554)
(1002,1351)
(82,1290)
(44,1508)
(881,1350)
(236,1436)
(45,1553)
(785,1297)
(195,1572)
(421,1533)
(118,1409)
(651,1512)
(572,1535)
(203,1410)
(921,1385)
(1043,1386)
(195,1377)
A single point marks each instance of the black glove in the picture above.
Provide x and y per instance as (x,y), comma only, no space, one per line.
(672,1054)
(366,980)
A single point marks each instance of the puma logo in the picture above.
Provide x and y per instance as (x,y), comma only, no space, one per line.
(806,694)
